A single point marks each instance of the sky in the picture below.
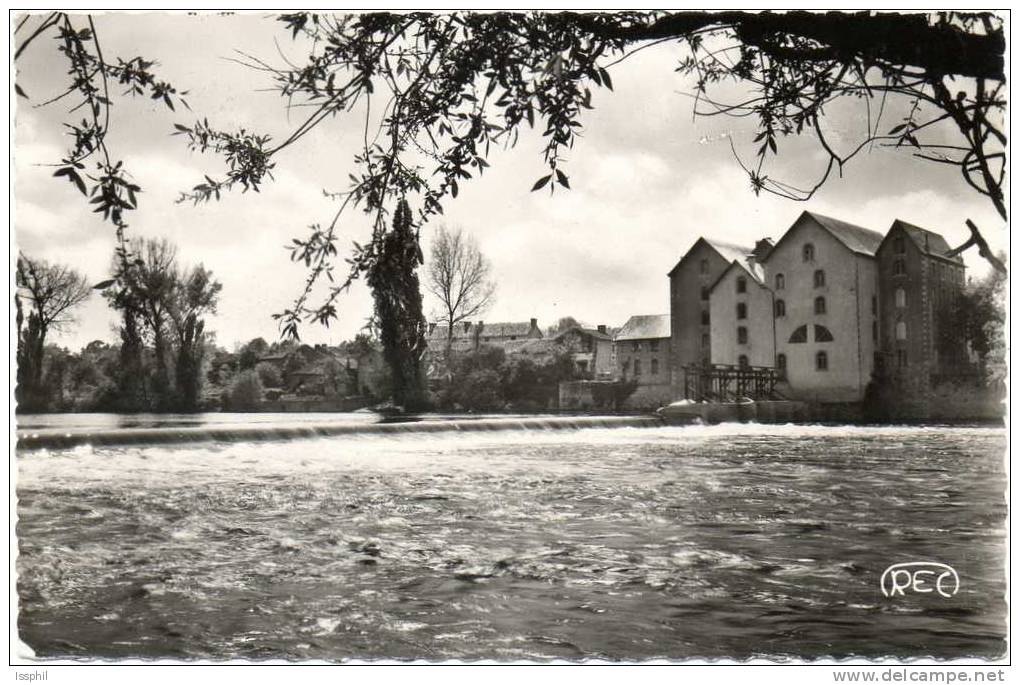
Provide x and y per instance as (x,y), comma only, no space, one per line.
(647,179)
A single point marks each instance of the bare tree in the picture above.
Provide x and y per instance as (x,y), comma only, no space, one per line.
(460,277)
(49,292)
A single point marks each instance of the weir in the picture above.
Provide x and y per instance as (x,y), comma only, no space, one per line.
(56,438)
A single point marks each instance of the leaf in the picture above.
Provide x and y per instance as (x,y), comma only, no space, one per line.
(541,183)
(20,91)
(605,78)
(562,179)
(772,144)
(104,284)
(897,129)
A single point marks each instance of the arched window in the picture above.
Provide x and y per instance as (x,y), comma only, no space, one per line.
(704,266)
(899,267)
(822,361)
(704,293)
(799,335)
(780,308)
(901,297)
(741,285)
(819,278)
(655,367)
(781,362)
(780,281)
(901,330)
(741,335)
(819,305)
(705,319)
(809,252)
(822,334)
(637,367)
(742,361)
(741,310)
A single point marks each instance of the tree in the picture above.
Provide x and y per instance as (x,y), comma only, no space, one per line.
(398,310)
(981,315)
(269,375)
(459,277)
(194,294)
(49,292)
(252,352)
(246,391)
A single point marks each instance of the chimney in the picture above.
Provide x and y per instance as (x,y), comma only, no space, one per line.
(602,328)
(467,326)
(761,248)
(534,323)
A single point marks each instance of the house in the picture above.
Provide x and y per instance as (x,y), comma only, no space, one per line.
(689,284)
(919,288)
(824,278)
(742,315)
(643,356)
(468,335)
(591,348)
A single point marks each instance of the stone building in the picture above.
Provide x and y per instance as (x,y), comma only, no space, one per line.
(689,284)
(643,355)
(825,286)
(919,288)
(591,349)
(468,335)
(742,316)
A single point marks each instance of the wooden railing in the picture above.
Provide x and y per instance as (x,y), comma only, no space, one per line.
(726,383)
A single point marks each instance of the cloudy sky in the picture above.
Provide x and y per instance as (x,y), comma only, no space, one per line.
(648,178)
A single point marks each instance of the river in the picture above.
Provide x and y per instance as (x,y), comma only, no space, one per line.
(731,541)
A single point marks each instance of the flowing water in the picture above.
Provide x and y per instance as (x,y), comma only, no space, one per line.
(730,541)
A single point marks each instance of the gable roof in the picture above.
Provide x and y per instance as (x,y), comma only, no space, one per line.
(644,327)
(506,329)
(750,267)
(728,251)
(928,242)
(593,332)
(857,238)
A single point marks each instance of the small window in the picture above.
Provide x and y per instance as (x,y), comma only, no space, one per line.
(822,361)
(874,331)
(741,310)
(809,252)
(704,293)
(901,330)
(822,334)
(780,308)
(901,358)
(899,267)
(705,340)
(704,266)
(899,245)
(799,335)
(741,335)
(653,345)
(819,305)
(655,367)
(874,305)
(742,361)
(780,281)
(819,278)
(901,297)
(637,367)
(741,285)
(705,319)
(781,362)
(637,346)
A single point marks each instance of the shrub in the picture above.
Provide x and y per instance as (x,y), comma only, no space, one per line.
(246,391)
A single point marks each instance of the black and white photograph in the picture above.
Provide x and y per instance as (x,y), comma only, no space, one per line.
(509,337)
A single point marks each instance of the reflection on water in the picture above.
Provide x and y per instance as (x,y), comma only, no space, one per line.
(727,541)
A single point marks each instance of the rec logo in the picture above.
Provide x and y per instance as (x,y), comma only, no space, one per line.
(920,577)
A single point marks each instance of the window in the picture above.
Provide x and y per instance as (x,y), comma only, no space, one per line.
(901,358)
(637,367)
(705,340)
(704,293)
(809,252)
(781,362)
(899,267)
(799,335)
(653,345)
(780,281)
(901,297)
(637,346)
(874,305)
(901,330)
(741,285)
(822,334)
(899,245)
(704,266)
(819,278)
(655,367)
(705,320)
(741,335)
(819,305)
(741,310)
(780,308)
(874,331)
(742,361)
(822,361)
